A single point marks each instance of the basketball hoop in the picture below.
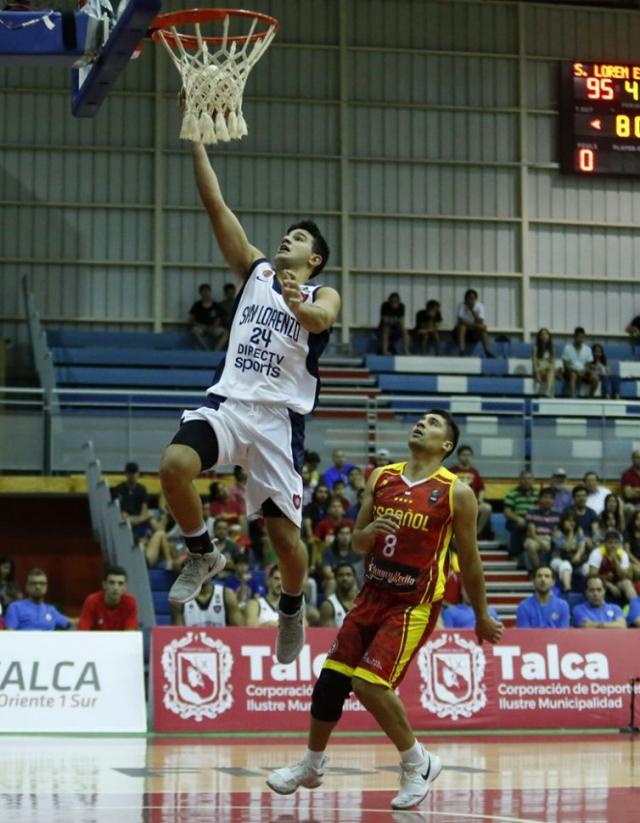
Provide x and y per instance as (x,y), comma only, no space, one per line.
(213,79)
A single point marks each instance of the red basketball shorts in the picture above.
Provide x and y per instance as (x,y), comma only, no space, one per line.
(380,636)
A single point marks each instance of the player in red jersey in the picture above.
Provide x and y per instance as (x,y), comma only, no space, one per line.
(112,609)
(409,513)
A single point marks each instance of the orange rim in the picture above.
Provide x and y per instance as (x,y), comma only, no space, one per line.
(164,22)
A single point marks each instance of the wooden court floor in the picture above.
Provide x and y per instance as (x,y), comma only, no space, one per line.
(109,779)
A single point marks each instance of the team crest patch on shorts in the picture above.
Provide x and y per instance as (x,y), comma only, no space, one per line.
(297,500)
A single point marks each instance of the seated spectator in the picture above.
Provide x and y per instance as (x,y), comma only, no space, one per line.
(334,518)
(222,506)
(630,483)
(569,553)
(632,545)
(586,518)
(607,522)
(471,477)
(113,609)
(166,543)
(462,616)
(206,319)
(312,461)
(576,358)
(263,610)
(633,615)
(470,324)
(340,551)
(9,590)
(381,458)
(596,494)
(563,496)
(340,491)
(229,548)
(426,333)
(307,490)
(517,503)
(595,613)
(32,613)
(392,328)
(542,524)
(237,491)
(354,485)
(610,563)
(544,364)
(315,511)
(339,471)
(334,609)
(243,583)
(225,306)
(543,610)
(609,382)
(633,329)
(352,512)
(215,605)
(612,503)
(133,499)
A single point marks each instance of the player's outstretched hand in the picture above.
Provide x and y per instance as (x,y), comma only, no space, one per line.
(488,629)
(291,290)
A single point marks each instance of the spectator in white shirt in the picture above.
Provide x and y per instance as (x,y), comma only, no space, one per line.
(597,494)
(576,358)
(470,323)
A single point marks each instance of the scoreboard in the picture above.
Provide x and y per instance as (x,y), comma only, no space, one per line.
(600,118)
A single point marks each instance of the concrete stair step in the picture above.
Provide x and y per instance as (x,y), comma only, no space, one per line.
(499,565)
(336,361)
(488,545)
(510,586)
(514,576)
(511,599)
(356,374)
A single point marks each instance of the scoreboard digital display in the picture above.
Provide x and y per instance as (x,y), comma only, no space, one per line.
(600,118)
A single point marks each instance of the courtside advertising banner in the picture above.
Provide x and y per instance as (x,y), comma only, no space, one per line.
(228,680)
(72,682)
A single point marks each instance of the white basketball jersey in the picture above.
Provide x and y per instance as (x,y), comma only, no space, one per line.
(215,614)
(339,610)
(270,357)
(267,613)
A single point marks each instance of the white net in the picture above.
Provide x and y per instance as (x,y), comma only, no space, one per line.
(213,81)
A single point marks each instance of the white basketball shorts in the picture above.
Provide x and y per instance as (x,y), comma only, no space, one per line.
(267,441)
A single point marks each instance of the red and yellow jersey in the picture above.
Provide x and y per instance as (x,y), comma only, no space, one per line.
(413,562)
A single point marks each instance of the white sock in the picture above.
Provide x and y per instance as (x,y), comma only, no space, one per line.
(200,530)
(413,756)
(315,758)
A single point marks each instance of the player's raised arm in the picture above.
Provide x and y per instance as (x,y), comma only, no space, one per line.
(315,317)
(368,526)
(465,517)
(232,240)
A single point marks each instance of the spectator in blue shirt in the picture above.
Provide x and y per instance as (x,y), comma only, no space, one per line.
(595,613)
(462,616)
(563,496)
(33,613)
(339,471)
(543,610)
(633,617)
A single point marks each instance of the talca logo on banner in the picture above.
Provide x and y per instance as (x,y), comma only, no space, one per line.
(452,671)
(197,671)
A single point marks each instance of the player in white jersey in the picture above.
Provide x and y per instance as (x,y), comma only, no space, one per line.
(215,605)
(253,416)
(334,609)
(263,611)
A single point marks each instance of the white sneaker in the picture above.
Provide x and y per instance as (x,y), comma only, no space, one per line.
(290,778)
(198,568)
(415,781)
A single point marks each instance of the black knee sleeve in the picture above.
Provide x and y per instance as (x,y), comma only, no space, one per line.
(201,438)
(329,694)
